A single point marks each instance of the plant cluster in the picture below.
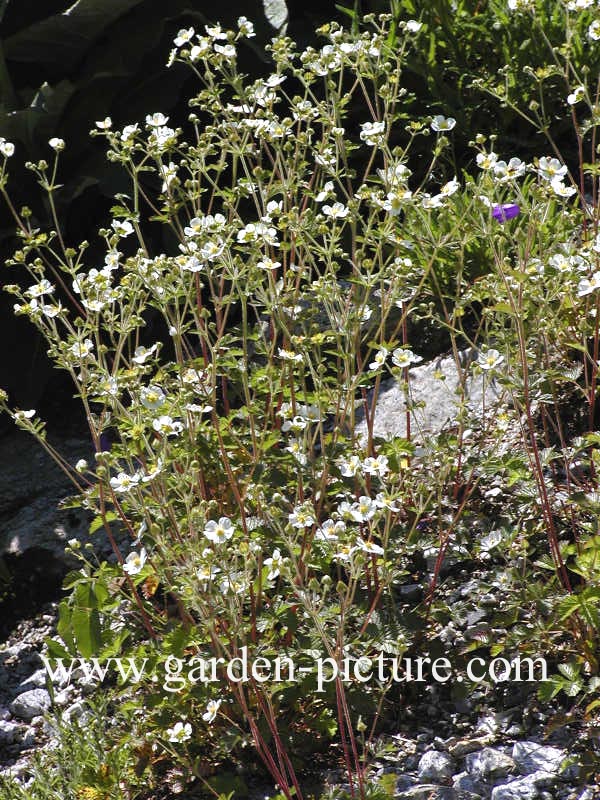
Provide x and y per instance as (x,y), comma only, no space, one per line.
(236,454)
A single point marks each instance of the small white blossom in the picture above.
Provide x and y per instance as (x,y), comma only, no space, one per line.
(124,483)
(156,120)
(274,563)
(402,357)
(219,532)
(379,359)
(142,354)
(489,359)
(7,149)
(246,28)
(180,732)
(587,286)
(594,31)
(166,426)
(57,144)
(376,466)
(559,188)
(372,133)
(551,168)
(152,397)
(576,95)
(134,562)
(104,124)
(212,708)
(336,211)
(122,227)
(184,36)
(440,123)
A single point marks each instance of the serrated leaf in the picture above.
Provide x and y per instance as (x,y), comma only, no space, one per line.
(98,522)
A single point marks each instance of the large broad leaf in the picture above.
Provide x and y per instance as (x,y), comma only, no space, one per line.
(62,39)
(38,120)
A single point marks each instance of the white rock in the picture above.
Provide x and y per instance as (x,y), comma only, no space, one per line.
(525,788)
(436,766)
(435,399)
(490,763)
(30,704)
(531,756)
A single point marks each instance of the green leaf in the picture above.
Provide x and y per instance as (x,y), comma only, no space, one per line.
(98,522)
(86,629)
(61,40)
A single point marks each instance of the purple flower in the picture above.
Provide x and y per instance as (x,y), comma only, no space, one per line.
(505,211)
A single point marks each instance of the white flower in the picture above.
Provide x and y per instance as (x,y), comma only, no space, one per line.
(325,192)
(288,355)
(364,509)
(369,547)
(207,573)
(6,148)
(156,120)
(166,426)
(82,349)
(274,564)
(486,160)
(122,227)
(123,482)
(128,133)
(412,26)
(246,27)
(39,289)
(594,31)
(180,732)
(440,123)
(330,531)
(372,133)
(142,353)
(302,517)
(81,465)
(211,710)
(268,264)
(134,562)
(376,466)
(183,37)
(201,49)
(588,286)
(345,552)
(215,32)
(403,357)
(576,95)
(395,200)
(152,397)
(336,211)
(57,144)
(168,173)
(559,188)
(22,415)
(521,5)
(504,172)
(427,201)
(381,501)
(450,188)
(104,124)
(489,359)
(551,168)
(379,359)
(349,466)
(226,50)
(219,532)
